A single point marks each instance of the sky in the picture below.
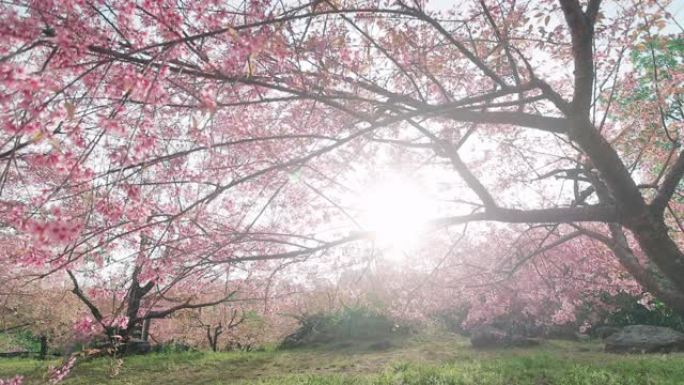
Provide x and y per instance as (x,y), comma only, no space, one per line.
(676,8)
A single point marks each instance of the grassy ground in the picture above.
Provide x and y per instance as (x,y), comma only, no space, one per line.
(420,360)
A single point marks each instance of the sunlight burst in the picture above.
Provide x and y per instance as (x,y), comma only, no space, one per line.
(396,209)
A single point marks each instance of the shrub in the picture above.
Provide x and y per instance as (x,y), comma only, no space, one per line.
(630,312)
(453,319)
(19,340)
(358,323)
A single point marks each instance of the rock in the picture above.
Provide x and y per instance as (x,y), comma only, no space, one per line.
(645,339)
(604,332)
(562,332)
(137,346)
(491,337)
(488,337)
(381,345)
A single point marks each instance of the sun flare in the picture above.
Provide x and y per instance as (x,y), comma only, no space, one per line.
(396,209)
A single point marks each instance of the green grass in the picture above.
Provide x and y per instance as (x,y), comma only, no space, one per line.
(420,360)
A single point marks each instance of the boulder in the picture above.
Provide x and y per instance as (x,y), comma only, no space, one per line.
(492,337)
(604,332)
(488,337)
(645,339)
(562,332)
(381,345)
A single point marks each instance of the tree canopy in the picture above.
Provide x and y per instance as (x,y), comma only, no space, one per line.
(152,148)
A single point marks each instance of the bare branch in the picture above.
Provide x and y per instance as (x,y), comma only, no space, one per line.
(77,290)
(669,185)
(551,215)
(186,305)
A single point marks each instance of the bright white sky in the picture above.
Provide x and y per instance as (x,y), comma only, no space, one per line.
(676,8)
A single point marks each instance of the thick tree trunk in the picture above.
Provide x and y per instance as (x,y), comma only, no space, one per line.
(213,337)
(644,220)
(145,329)
(43,347)
(654,240)
(649,279)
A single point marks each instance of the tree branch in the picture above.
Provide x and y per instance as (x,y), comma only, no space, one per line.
(186,305)
(76,290)
(669,185)
(650,281)
(543,123)
(462,48)
(451,152)
(593,10)
(582,32)
(551,215)
(494,214)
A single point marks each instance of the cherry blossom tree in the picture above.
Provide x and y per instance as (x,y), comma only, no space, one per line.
(169,142)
